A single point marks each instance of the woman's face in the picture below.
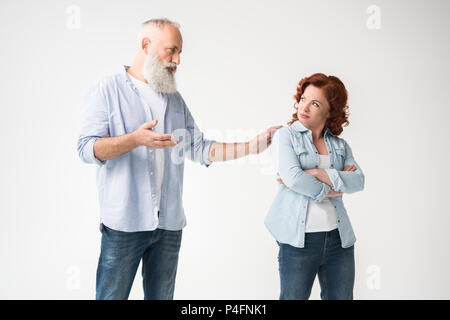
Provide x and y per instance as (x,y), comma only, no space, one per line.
(313,108)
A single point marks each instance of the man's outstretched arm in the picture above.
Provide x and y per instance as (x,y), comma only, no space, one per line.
(221,151)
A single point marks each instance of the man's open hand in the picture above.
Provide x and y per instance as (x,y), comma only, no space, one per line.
(145,136)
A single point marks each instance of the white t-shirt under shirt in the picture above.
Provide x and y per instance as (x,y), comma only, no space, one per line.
(156,102)
(321,215)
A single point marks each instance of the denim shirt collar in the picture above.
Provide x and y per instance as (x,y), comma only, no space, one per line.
(299,127)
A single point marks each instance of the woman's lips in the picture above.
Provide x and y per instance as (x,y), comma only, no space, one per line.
(304,116)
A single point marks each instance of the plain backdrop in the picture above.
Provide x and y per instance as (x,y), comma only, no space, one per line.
(240,65)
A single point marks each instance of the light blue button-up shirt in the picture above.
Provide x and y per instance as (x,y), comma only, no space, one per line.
(126,187)
(293,151)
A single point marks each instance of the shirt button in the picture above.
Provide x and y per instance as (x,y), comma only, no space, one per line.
(317,166)
(304,206)
(153,195)
(339,220)
(335,206)
(303,221)
(332,165)
(151,172)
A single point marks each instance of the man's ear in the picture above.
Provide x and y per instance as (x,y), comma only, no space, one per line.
(145,44)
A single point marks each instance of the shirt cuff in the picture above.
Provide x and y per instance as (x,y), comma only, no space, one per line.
(322,194)
(335,179)
(206,150)
(90,152)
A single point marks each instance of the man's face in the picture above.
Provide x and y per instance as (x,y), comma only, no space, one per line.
(169,46)
(163,56)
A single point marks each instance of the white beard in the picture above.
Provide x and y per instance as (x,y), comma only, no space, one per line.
(157,74)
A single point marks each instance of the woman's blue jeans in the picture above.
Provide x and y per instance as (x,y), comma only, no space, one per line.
(121,253)
(322,255)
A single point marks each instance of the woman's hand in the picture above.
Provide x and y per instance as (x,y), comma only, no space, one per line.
(333,193)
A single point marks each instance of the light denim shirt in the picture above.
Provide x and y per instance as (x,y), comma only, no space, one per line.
(294,151)
(126,184)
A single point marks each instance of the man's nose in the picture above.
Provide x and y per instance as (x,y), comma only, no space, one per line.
(176,59)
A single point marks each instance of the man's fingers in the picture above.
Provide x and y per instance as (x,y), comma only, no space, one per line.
(150,124)
(280,181)
(272,130)
(162,137)
(164,144)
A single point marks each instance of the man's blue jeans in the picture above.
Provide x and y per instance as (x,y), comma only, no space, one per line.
(322,255)
(119,259)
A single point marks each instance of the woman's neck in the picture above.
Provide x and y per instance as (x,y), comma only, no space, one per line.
(317,133)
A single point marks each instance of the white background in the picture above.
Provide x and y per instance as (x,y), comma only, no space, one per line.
(239,68)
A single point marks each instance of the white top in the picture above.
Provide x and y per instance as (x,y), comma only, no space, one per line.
(157,108)
(321,215)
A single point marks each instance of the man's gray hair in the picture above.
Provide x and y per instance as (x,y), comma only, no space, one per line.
(153,24)
(160,22)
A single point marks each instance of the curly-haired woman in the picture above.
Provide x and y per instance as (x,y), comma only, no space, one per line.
(307,217)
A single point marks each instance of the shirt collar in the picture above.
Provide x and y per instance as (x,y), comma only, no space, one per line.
(130,82)
(299,127)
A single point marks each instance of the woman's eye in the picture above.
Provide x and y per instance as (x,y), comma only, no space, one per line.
(315,104)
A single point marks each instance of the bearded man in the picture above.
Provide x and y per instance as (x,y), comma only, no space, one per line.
(135,127)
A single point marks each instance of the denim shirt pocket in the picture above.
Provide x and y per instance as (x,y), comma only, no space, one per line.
(301,153)
(339,158)
(299,149)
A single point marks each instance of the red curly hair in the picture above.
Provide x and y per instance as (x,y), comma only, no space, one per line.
(336,95)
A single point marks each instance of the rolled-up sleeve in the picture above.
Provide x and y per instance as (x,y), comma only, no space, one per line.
(94,125)
(198,147)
